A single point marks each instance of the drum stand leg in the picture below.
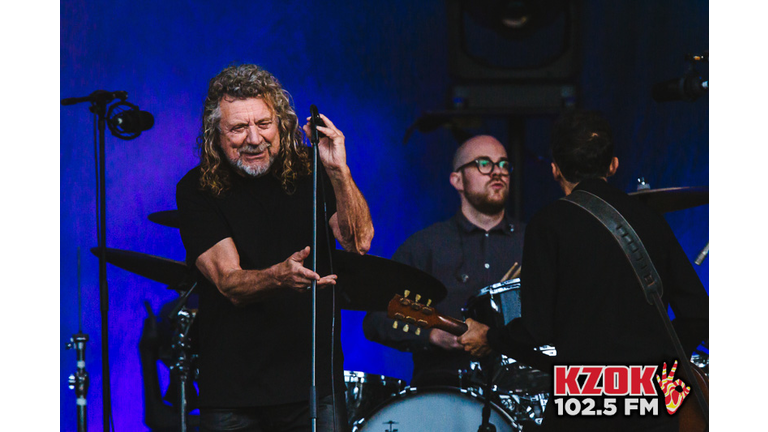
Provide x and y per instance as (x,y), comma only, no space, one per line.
(182,367)
(487,426)
(79,380)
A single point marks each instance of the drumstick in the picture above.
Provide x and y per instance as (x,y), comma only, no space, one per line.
(509,272)
(517,273)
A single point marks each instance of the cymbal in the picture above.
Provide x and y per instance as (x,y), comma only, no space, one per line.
(365,282)
(163,270)
(674,198)
(368,282)
(169,218)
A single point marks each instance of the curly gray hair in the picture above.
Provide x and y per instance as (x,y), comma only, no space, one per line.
(241,82)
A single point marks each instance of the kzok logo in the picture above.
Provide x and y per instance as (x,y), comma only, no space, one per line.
(615,381)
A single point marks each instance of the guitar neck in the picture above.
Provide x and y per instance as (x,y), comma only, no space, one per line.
(450,324)
(425,317)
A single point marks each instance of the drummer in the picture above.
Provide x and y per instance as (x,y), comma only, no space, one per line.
(475,248)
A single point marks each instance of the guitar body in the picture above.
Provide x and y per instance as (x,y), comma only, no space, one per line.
(691,419)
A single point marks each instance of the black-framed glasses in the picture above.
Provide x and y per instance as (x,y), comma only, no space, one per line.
(485,165)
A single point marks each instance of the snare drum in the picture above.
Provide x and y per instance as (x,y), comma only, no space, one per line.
(366,391)
(495,305)
(434,409)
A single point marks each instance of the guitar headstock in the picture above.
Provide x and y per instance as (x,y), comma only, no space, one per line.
(412,313)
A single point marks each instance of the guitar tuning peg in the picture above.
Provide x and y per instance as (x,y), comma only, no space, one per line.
(406,293)
(405,328)
(418,331)
(418,297)
(429,302)
(394,324)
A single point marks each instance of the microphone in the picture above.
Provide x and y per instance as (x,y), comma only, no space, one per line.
(314,121)
(687,88)
(133,121)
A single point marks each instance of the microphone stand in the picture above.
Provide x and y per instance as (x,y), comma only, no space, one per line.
(314,140)
(99,101)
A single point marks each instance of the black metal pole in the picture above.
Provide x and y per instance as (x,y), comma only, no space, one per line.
(488,370)
(313,388)
(79,381)
(103,287)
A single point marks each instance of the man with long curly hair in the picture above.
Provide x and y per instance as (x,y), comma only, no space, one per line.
(245,221)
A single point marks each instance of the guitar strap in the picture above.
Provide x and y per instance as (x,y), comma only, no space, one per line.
(644,269)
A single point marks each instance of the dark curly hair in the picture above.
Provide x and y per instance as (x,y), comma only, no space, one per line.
(582,145)
(241,82)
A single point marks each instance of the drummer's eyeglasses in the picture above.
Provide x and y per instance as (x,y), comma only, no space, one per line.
(485,166)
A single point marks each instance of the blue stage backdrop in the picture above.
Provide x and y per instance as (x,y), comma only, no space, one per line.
(373,68)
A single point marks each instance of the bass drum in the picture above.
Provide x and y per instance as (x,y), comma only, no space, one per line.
(433,409)
(365,392)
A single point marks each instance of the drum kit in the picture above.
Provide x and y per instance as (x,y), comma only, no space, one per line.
(497,391)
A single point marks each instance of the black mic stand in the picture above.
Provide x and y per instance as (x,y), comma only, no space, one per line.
(99,101)
(314,140)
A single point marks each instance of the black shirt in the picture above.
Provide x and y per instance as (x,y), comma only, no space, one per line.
(580,293)
(259,354)
(465,258)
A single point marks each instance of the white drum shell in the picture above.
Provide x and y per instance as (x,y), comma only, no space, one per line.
(434,409)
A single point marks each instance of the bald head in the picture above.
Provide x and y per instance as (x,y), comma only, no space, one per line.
(481,145)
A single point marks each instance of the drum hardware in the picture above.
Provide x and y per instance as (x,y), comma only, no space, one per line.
(79,380)
(366,392)
(486,425)
(495,305)
(169,218)
(182,319)
(673,199)
(703,254)
(701,360)
(522,390)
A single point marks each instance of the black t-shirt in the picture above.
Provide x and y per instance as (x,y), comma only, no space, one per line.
(260,354)
(580,293)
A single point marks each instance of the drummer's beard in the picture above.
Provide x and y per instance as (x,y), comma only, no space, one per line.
(488,201)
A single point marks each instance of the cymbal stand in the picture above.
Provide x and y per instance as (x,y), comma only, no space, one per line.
(183,319)
(79,380)
(487,426)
